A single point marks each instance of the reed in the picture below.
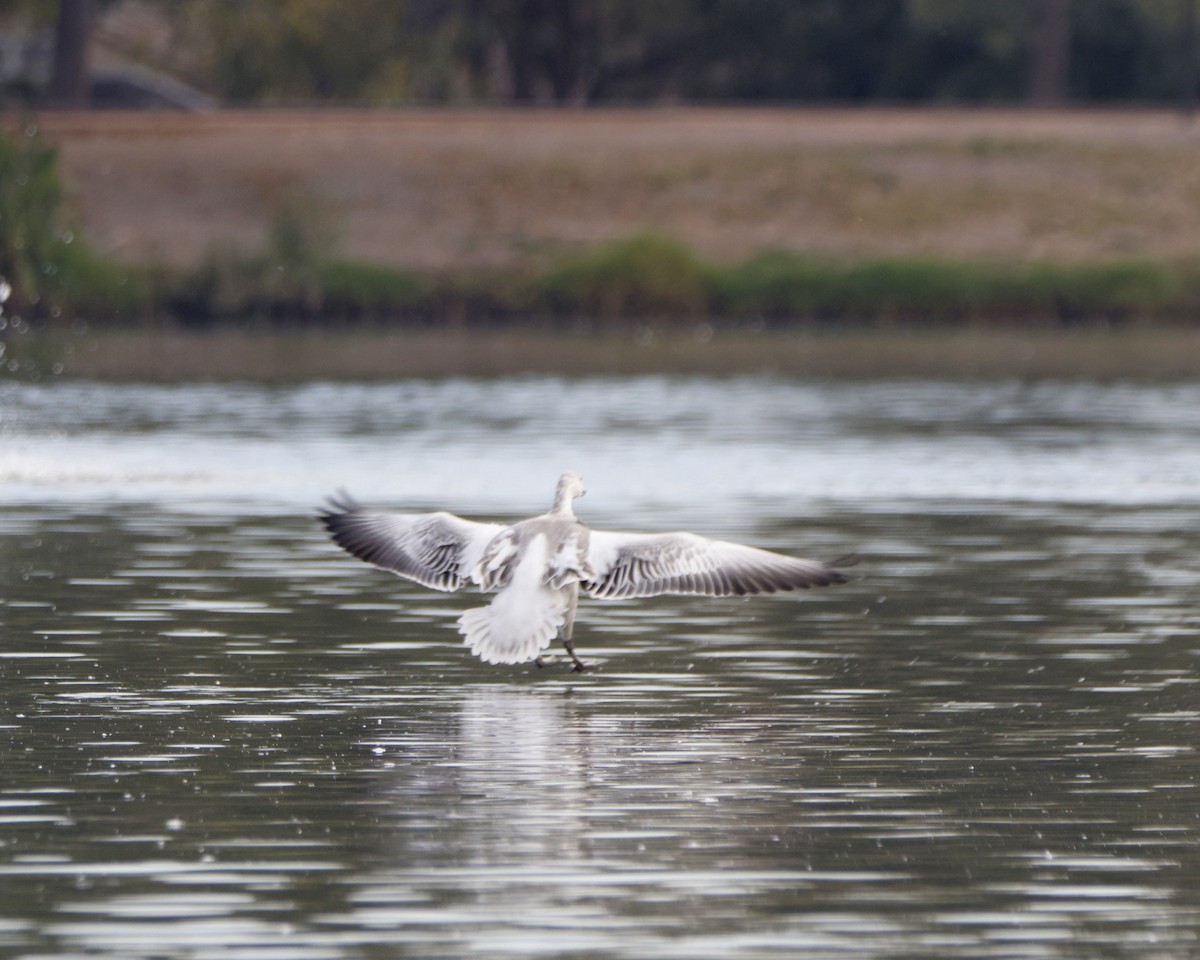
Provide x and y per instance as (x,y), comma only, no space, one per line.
(926,290)
(645,277)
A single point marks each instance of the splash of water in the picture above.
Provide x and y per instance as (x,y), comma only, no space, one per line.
(5,293)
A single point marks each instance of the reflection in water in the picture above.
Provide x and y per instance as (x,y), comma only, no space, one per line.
(511,790)
(218,736)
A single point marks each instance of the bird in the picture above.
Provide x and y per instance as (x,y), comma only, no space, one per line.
(538,567)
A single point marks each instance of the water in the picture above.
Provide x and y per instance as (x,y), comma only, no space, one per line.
(221,737)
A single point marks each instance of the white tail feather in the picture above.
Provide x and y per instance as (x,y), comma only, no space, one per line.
(512,629)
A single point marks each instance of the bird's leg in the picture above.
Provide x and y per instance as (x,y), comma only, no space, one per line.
(580,666)
(568,627)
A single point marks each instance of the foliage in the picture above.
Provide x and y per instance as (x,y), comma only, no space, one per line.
(1085,291)
(784,284)
(294,277)
(620,51)
(300,50)
(48,265)
(40,12)
(647,274)
(353,289)
(31,240)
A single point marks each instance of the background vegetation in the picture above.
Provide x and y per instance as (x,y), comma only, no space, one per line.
(713,223)
(297,277)
(623,51)
(46,263)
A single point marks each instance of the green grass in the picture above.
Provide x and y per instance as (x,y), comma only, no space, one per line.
(646,275)
(295,277)
(925,290)
(354,289)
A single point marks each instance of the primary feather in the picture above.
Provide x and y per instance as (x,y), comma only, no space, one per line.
(647,564)
(438,550)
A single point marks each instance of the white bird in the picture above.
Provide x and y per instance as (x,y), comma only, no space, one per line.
(540,565)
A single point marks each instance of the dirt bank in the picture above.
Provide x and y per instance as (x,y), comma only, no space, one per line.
(460,191)
(169,356)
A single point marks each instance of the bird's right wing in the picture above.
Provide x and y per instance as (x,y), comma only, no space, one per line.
(438,550)
(648,564)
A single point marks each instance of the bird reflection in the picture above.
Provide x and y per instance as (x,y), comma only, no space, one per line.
(504,778)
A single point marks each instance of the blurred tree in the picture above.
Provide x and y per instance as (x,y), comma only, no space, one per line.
(781,50)
(69,83)
(1050,44)
(547,51)
(960,50)
(1125,50)
(303,50)
(1187,54)
(587,51)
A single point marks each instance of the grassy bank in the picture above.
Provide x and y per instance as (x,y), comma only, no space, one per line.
(168,356)
(647,276)
(469,218)
(650,275)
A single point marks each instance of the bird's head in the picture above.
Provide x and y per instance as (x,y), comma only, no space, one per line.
(570,487)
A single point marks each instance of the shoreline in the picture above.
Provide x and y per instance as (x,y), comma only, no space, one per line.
(164,356)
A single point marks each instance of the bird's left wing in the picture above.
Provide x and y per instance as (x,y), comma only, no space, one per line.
(648,564)
(439,550)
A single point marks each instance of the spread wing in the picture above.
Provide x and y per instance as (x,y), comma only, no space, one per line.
(438,550)
(644,565)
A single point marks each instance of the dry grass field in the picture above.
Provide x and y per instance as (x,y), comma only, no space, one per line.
(462,191)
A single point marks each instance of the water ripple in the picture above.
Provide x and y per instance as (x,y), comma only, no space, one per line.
(221,736)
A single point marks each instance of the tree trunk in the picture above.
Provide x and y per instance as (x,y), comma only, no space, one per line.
(1051,51)
(70,85)
(1187,56)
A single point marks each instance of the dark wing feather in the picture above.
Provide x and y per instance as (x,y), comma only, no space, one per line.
(438,550)
(644,565)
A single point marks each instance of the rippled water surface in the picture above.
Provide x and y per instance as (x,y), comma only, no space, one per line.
(221,737)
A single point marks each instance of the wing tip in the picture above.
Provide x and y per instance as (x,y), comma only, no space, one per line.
(832,579)
(825,576)
(338,515)
(833,569)
(337,504)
